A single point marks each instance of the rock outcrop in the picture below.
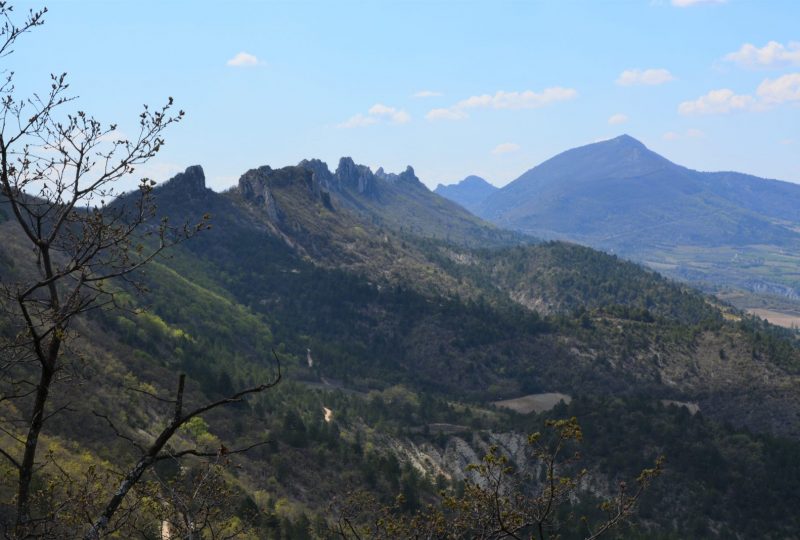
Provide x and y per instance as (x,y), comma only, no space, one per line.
(254,186)
(355,177)
(190,184)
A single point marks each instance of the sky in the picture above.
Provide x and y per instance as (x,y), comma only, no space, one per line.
(452,88)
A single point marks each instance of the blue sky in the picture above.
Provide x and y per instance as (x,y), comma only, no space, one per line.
(452,88)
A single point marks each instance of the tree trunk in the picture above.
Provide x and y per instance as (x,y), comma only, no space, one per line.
(31,442)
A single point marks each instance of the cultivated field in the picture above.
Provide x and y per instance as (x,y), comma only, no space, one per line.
(778,318)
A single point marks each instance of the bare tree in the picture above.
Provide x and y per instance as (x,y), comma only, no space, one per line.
(59,172)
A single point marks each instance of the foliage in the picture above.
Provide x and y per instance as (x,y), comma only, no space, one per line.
(503,501)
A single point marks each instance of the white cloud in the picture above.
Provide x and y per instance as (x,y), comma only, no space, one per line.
(688,3)
(671,136)
(781,90)
(505,148)
(401,117)
(720,101)
(527,99)
(770,93)
(519,100)
(395,115)
(376,114)
(427,94)
(617,119)
(244,59)
(379,109)
(773,54)
(649,77)
(694,133)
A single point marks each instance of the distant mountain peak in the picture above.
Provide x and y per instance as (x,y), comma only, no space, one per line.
(627,140)
(474,180)
(622,145)
(469,192)
(619,195)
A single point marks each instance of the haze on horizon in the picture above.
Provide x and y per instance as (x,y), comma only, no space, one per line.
(452,88)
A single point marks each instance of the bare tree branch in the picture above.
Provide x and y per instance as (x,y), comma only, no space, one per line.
(153,453)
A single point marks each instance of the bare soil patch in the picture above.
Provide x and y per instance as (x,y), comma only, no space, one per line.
(534,402)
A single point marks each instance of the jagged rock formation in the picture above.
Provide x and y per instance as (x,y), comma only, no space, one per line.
(356,177)
(190,184)
(406,176)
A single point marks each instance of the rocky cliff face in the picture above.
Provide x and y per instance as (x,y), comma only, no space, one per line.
(453,460)
(320,174)
(348,175)
(254,186)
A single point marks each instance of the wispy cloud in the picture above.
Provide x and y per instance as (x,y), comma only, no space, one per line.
(617,119)
(527,99)
(773,54)
(358,120)
(426,94)
(689,3)
(505,148)
(644,77)
(376,114)
(244,59)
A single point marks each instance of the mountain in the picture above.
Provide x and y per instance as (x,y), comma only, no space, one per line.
(413,340)
(721,228)
(469,193)
(299,246)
